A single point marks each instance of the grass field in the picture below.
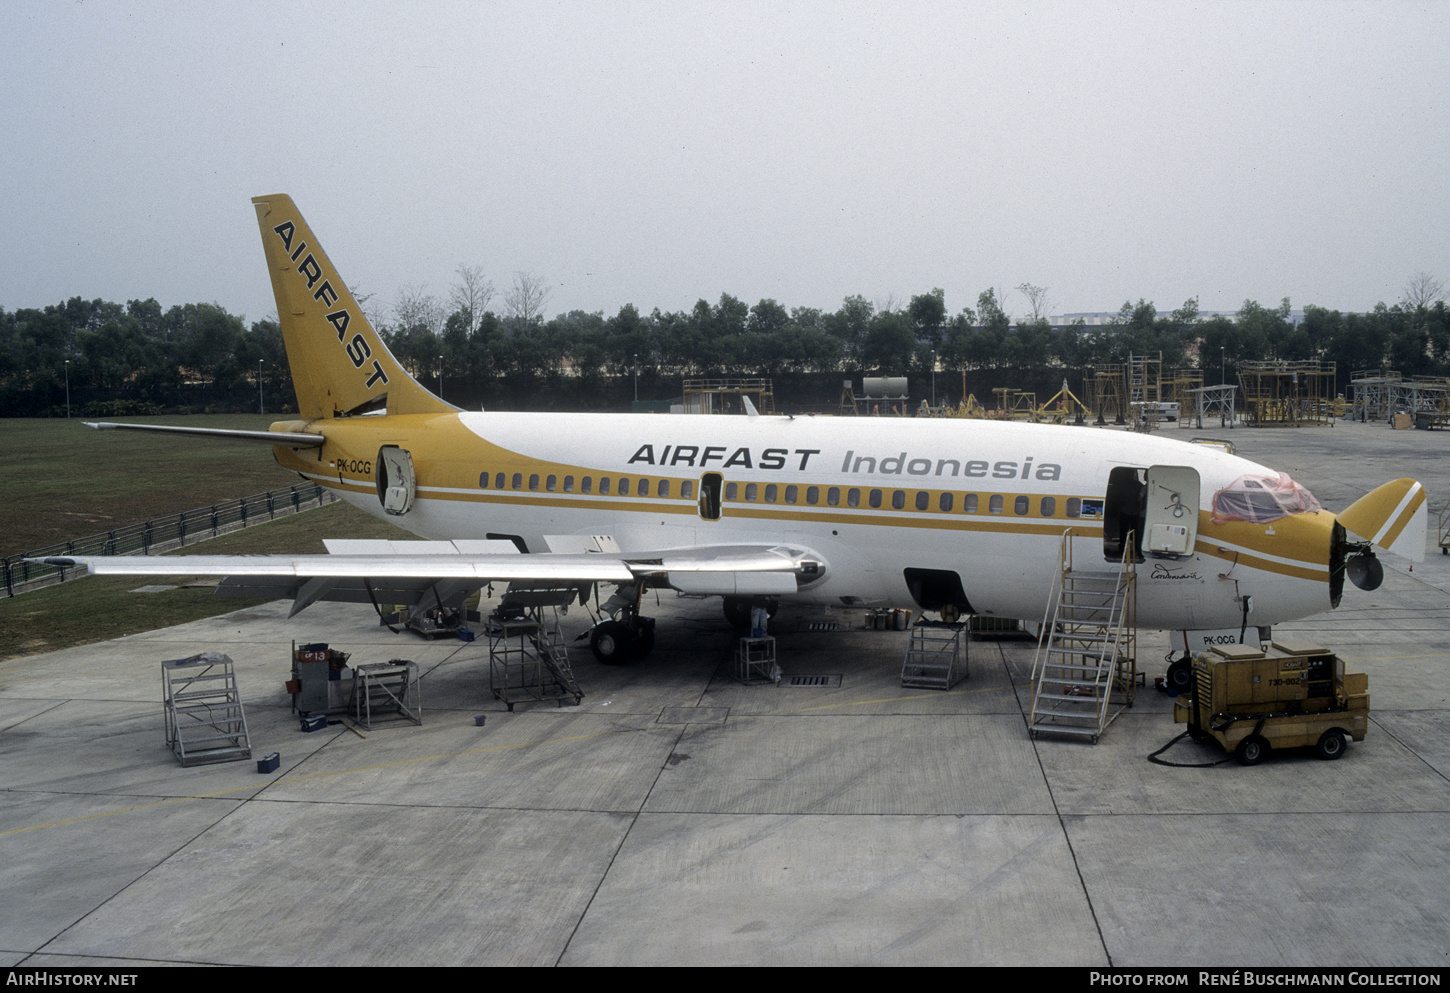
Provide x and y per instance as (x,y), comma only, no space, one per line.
(63,480)
(66,481)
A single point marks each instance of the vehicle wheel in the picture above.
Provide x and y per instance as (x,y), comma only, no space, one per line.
(1180,677)
(612,642)
(1251,750)
(737,611)
(643,637)
(1331,744)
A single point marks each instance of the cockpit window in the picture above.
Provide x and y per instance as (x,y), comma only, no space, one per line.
(1260,499)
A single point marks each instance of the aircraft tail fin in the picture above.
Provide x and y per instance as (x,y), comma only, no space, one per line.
(339,364)
(1392,517)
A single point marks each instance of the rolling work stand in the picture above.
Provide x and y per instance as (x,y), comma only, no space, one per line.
(386,691)
(204,718)
(528,660)
(936,658)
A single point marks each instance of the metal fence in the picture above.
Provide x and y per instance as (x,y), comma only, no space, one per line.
(163,534)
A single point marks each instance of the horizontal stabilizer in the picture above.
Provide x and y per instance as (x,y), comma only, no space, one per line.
(1392,517)
(291,439)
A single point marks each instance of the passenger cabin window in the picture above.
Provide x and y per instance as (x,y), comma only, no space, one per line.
(770,492)
(518,480)
(551,484)
(643,487)
(833,496)
(498,481)
(687,490)
(483,480)
(969,503)
(790,494)
(750,492)
(603,485)
(945,503)
(1020,506)
(623,487)
(586,484)
(874,498)
(898,499)
(923,500)
(1049,507)
(664,488)
(568,484)
(1074,506)
(994,505)
(731,491)
(853,497)
(534,481)
(813,495)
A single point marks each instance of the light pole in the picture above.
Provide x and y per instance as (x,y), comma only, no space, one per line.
(933,377)
(67,389)
(1221,380)
(261,404)
(636,377)
(440,377)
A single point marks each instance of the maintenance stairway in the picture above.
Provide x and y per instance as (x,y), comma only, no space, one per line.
(204,717)
(1085,669)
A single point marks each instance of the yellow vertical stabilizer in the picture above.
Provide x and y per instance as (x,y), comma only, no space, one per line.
(1391,517)
(338,362)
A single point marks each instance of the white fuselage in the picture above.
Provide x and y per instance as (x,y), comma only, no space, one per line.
(872,497)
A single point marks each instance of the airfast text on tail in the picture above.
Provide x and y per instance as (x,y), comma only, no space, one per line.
(339,364)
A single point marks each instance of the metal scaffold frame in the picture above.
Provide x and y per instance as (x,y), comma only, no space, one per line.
(707,396)
(1371,390)
(1280,393)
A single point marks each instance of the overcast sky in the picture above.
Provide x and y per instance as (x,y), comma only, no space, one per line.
(657,153)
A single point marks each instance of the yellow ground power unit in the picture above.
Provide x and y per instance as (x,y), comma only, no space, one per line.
(1292,695)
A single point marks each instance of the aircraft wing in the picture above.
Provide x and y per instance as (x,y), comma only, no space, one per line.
(412,572)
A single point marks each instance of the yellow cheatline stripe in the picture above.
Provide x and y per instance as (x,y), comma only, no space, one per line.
(1407,508)
(1000,524)
(285,778)
(1318,575)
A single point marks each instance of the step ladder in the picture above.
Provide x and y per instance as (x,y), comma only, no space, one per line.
(936,656)
(386,691)
(204,718)
(529,660)
(755,661)
(1085,669)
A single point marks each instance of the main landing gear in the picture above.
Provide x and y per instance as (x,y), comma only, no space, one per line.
(626,636)
(737,609)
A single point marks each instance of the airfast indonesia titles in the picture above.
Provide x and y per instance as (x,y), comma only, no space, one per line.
(799,459)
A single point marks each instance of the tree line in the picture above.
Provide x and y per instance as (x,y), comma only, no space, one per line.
(140,354)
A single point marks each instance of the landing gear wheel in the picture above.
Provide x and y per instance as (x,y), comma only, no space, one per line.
(737,611)
(1331,744)
(1251,750)
(1180,677)
(612,643)
(644,637)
